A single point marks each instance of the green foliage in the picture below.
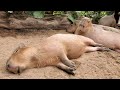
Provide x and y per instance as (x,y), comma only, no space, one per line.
(30,13)
(58,12)
(95,15)
(38,14)
(72,15)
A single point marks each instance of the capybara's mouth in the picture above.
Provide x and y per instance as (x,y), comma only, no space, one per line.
(19,71)
(14,70)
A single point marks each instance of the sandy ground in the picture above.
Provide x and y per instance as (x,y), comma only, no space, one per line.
(93,65)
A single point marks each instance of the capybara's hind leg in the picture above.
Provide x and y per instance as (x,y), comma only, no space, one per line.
(94,44)
(97,44)
(92,49)
(64,59)
(65,68)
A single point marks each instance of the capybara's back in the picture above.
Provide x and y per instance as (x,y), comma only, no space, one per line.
(99,35)
(108,21)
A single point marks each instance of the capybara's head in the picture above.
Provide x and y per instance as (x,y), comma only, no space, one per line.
(84,24)
(20,60)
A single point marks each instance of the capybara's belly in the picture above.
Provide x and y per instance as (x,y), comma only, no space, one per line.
(75,50)
(72,45)
(108,39)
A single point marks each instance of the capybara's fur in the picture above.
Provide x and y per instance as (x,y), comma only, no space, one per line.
(56,50)
(73,27)
(108,21)
(106,28)
(107,38)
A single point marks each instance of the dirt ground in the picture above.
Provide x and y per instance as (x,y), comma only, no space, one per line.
(93,65)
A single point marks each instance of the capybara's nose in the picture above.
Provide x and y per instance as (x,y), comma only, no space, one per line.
(13,69)
(8,65)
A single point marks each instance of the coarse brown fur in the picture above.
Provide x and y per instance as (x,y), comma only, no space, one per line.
(99,35)
(56,50)
(108,21)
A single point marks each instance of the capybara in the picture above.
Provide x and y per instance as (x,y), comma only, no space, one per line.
(72,28)
(99,35)
(108,21)
(56,50)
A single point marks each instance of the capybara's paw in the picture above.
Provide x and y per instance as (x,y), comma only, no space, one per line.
(71,71)
(104,49)
(71,64)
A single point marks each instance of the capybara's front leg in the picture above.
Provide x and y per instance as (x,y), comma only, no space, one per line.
(64,59)
(66,68)
(92,49)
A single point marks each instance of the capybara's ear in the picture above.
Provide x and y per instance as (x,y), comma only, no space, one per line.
(91,19)
(16,49)
(20,46)
(76,22)
(82,17)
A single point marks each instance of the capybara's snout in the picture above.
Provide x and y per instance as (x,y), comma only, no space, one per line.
(14,69)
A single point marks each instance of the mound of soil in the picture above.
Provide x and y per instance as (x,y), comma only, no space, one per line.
(19,20)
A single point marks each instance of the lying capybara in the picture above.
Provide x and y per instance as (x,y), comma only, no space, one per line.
(72,28)
(108,21)
(107,38)
(107,28)
(56,50)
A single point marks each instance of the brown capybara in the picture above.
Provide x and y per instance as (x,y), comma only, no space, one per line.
(73,27)
(56,50)
(107,28)
(108,21)
(99,35)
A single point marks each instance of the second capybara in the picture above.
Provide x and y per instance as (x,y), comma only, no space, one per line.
(107,38)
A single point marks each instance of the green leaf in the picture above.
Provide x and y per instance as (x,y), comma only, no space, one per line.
(38,14)
(70,17)
(58,12)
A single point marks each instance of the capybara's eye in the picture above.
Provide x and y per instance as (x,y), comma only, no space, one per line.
(15,51)
(88,21)
(82,25)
